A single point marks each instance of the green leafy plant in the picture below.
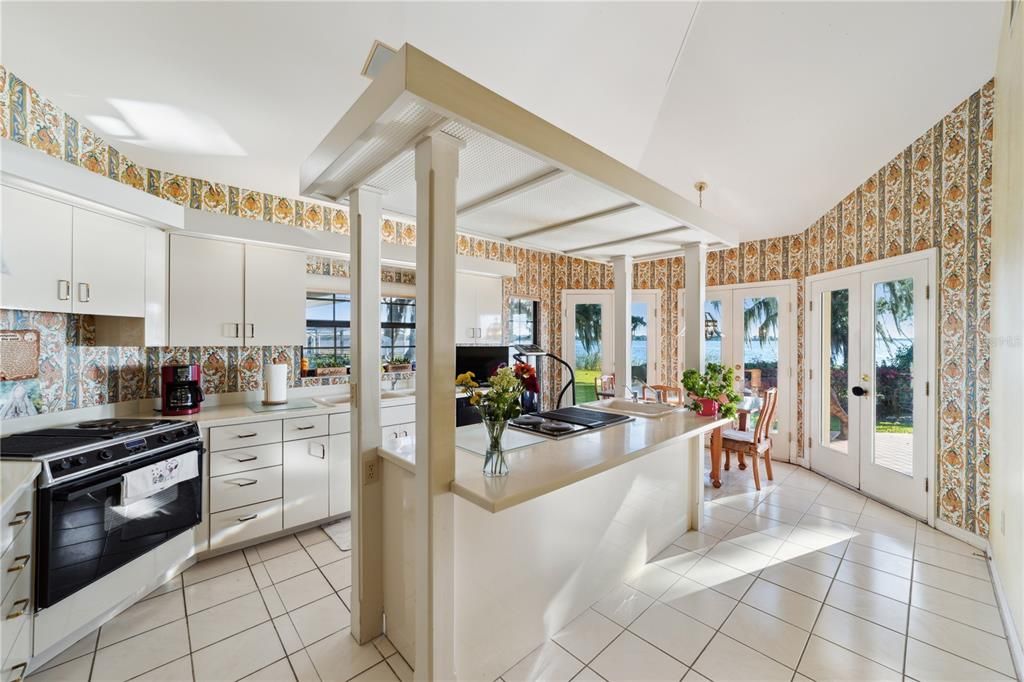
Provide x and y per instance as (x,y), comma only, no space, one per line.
(325,361)
(500,402)
(716,384)
(397,360)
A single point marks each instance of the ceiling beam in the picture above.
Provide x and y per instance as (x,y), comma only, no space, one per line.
(626,240)
(615,210)
(512,190)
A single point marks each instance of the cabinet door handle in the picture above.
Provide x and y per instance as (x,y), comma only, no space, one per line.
(63,289)
(88,292)
(22,667)
(242,482)
(19,609)
(247,435)
(15,567)
(250,458)
(249,517)
(305,428)
(252,330)
(20,518)
(321,455)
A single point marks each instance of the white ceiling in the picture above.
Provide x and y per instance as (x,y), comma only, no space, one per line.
(783,108)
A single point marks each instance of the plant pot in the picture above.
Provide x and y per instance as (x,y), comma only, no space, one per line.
(494,459)
(708,407)
(399,368)
(331,371)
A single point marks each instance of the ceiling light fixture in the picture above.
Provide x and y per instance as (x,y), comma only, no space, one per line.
(700,186)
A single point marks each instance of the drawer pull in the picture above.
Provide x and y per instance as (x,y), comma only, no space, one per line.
(249,517)
(18,610)
(20,518)
(306,427)
(247,435)
(250,458)
(15,567)
(21,668)
(242,482)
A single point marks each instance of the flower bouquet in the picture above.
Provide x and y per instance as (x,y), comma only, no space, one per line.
(496,405)
(712,391)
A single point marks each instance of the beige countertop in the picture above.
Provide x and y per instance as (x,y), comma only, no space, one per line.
(545,467)
(15,476)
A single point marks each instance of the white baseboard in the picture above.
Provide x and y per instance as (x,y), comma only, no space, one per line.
(1012,634)
(960,534)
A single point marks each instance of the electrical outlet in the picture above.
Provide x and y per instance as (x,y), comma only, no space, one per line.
(371,470)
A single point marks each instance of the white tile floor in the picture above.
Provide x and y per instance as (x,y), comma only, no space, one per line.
(274,612)
(802,580)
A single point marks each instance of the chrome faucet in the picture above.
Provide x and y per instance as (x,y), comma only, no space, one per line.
(656,392)
(633,395)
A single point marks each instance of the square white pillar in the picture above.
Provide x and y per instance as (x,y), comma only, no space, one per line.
(622,337)
(367,510)
(695,269)
(437,170)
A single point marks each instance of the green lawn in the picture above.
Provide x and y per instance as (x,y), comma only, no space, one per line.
(880,427)
(585,391)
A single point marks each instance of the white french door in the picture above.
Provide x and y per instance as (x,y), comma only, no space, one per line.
(871,361)
(588,339)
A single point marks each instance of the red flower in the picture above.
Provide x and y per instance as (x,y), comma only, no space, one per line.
(527,374)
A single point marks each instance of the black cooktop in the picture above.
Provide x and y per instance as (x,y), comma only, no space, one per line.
(584,417)
(49,441)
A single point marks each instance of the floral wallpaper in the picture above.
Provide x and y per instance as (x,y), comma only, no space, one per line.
(935,192)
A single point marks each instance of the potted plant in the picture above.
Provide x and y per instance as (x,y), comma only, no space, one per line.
(712,391)
(397,363)
(332,365)
(497,405)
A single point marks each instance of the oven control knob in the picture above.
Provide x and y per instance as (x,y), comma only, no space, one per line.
(165,438)
(65,464)
(81,459)
(106,455)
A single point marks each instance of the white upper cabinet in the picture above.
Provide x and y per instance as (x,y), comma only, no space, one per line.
(275,297)
(109,266)
(35,253)
(228,293)
(62,258)
(478,309)
(207,292)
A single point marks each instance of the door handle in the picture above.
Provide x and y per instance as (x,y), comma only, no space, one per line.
(250,517)
(243,482)
(323,451)
(15,567)
(88,292)
(20,518)
(252,330)
(305,428)
(859,391)
(251,458)
(247,435)
(21,667)
(18,610)
(63,289)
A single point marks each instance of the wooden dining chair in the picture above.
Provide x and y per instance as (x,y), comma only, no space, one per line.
(756,442)
(604,386)
(673,395)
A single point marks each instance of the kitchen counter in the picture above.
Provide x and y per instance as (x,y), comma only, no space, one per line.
(15,477)
(547,466)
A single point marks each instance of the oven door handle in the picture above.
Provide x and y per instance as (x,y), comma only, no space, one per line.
(77,494)
(116,479)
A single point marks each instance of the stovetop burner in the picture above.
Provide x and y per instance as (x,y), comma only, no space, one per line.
(567,422)
(119,425)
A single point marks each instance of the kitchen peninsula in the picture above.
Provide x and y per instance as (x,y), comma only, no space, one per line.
(534,549)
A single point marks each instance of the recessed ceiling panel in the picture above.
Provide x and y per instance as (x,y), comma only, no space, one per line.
(636,222)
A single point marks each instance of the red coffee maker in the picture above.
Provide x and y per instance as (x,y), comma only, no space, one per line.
(181,390)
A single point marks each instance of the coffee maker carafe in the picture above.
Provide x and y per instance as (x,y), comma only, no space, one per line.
(181,390)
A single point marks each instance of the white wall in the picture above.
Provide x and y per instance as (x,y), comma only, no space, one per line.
(1007,411)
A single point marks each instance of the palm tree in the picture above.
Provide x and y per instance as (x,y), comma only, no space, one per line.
(588,325)
(761,318)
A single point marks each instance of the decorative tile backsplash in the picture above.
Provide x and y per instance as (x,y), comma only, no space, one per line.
(936,192)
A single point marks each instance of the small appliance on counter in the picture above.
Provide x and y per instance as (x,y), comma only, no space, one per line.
(181,390)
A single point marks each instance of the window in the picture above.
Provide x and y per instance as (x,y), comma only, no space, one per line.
(398,328)
(525,317)
(329,334)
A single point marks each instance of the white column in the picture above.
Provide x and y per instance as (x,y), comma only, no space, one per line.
(437,169)
(367,512)
(695,268)
(623,334)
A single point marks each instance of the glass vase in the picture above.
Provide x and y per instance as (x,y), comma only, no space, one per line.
(494,459)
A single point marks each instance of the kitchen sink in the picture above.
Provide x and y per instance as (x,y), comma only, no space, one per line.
(399,393)
(333,400)
(638,409)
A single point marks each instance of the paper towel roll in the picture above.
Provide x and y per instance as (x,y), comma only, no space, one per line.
(275,384)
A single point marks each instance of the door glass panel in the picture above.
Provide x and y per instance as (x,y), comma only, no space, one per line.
(589,349)
(835,353)
(894,374)
(760,350)
(713,331)
(639,348)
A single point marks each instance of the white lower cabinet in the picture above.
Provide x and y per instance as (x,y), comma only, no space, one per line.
(398,431)
(306,481)
(340,476)
(244,523)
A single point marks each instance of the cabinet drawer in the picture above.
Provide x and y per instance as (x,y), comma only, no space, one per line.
(16,610)
(397,414)
(305,427)
(13,669)
(15,561)
(243,459)
(398,431)
(247,487)
(18,519)
(341,423)
(244,435)
(245,523)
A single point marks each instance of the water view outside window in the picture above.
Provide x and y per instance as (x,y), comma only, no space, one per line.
(714,330)
(760,348)
(639,345)
(894,375)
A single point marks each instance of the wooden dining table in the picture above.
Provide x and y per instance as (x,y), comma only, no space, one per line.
(747,405)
